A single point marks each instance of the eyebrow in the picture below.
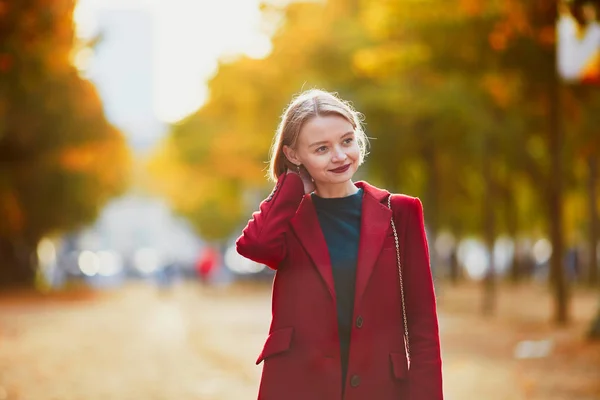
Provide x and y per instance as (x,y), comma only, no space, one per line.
(325,141)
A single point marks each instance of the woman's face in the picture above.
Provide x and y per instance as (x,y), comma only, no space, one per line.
(328,149)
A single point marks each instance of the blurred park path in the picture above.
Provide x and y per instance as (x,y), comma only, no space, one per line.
(201,343)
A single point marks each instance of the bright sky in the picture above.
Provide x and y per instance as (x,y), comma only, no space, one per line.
(190,36)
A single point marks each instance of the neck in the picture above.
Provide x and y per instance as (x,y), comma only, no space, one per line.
(333,190)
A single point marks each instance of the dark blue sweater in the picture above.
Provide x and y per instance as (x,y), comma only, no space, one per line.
(340,222)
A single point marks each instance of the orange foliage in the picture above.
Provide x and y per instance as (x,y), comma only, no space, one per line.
(499,88)
(516,20)
(107,160)
(547,36)
(77,159)
(516,23)
(6,62)
(11,210)
(471,7)
(498,40)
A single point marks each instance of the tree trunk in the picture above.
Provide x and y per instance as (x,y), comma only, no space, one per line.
(593,238)
(555,204)
(17,266)
(489,292)
(594,332)
(512,222)
(431,202)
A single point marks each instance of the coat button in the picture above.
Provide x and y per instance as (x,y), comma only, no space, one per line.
(355,381)
(359,322)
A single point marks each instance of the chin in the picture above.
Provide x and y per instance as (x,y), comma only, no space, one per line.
(341,178)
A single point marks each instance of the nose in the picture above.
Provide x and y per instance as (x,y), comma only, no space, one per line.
(339,154)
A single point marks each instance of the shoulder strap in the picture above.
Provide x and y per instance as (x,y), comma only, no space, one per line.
(399,263)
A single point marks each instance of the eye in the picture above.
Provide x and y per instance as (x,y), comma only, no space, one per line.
(321,149)
(348,140)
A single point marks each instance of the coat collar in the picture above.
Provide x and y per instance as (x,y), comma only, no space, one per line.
(374,225)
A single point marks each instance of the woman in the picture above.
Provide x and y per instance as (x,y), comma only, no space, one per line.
(338,318)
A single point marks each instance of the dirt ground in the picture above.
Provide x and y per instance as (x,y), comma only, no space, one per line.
(199,343)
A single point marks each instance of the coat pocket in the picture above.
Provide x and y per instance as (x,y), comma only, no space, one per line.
(277,342)
(399,365)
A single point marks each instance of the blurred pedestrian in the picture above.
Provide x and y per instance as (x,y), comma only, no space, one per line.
(165,276)
(455,273)
(207,264)
(341,301)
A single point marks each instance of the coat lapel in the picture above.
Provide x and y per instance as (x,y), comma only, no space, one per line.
(374,226)
(308,230)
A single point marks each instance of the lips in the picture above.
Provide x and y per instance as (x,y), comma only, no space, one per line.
(341,169)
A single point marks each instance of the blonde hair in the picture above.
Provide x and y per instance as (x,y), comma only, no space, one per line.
(304,107)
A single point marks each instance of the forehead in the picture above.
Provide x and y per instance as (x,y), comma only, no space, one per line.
(324,128)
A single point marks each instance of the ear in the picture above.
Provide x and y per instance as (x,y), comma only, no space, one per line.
(291,155)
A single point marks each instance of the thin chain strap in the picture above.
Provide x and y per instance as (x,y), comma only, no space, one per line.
(406,341)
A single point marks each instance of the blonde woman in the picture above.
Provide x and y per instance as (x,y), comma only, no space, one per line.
(354,310)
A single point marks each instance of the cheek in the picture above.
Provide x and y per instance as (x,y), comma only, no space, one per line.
(315,162)
(354,153)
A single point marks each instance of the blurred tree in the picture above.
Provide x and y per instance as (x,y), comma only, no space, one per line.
(508,50)
(526,36)
(60,160)
(457,96)
(536,44)
(221,150)
(594,219)
(587,147)
(504,46)
(594,332)
(455,110)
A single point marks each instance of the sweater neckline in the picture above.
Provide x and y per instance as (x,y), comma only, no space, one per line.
(326,202)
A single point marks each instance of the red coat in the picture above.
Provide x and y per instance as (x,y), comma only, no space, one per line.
(302,352)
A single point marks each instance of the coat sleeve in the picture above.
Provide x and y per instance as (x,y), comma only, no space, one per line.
(263,239)
(425,374)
